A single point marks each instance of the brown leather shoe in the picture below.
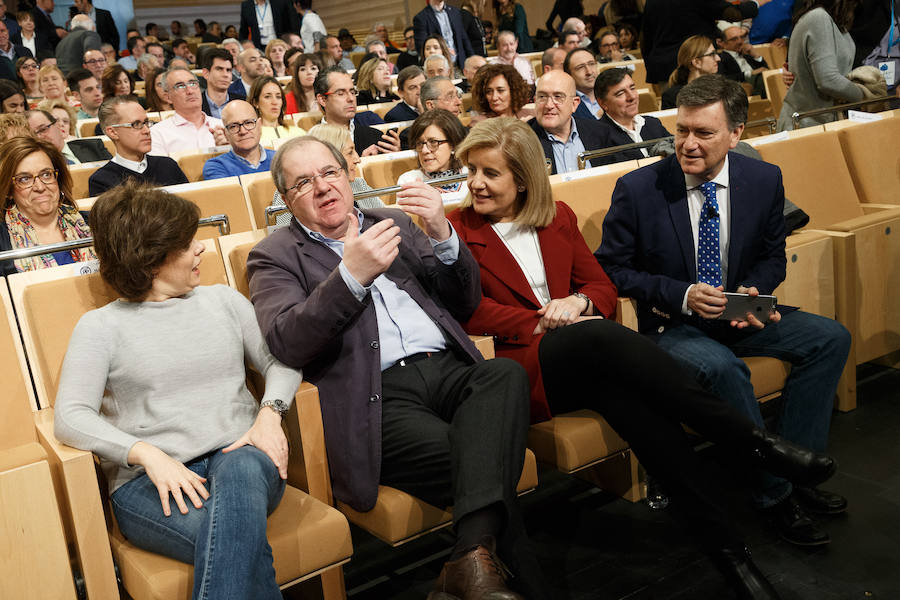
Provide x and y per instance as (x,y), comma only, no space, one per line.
(477,575)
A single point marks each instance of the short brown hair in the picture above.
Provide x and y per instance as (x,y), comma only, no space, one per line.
(521,148)
(110,77)
(444,120)
(14,151)
(136,227)
(519,91)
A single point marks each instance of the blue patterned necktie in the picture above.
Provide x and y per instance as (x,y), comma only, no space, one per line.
(709,269)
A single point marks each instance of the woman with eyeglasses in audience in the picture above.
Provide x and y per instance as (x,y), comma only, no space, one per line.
(373,80)
(27,74)
(697,56)
(115,81)
(154,92)
(549,305)
(12,98)
(39,207)
(499,91)
(65,116)
(275,50)
(435,134)
(267,97)
(301,97)
(154,384)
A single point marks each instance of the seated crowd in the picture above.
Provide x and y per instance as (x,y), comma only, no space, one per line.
(375,305)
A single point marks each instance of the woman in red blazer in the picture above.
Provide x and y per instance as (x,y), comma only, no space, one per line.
(546,300)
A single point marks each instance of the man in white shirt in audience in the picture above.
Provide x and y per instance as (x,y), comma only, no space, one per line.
(189,129)
(336,96)
(125,122)
(243,130)
(507,48)
(582,66)
(440,92)
(312,29)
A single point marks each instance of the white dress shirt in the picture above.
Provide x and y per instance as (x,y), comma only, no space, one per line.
(265,21)
(635,134)
(137,167)
(177,134)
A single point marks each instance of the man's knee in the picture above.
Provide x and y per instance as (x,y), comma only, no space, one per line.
(512,378)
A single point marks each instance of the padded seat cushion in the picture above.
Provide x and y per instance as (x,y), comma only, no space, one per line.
(575,439)
(306,535)
(398,516)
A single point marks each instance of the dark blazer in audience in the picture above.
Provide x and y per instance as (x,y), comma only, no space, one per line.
(106,27)
(728,66)
(425,23)
(89,150)
(231,96)
(589,131)
(401,112)
(161,170)
(284,18)
(44,26)
(614,136)
(40,41)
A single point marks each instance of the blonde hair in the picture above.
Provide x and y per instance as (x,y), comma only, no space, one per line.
(46,70)
(693,47)
(524,157)
(333,134)
(49,105)
(13,125)
(274,44)
(365,76)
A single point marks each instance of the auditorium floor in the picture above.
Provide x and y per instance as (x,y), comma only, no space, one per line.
(598,547)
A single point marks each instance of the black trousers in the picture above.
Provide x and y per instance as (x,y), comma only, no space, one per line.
(454,433)
(645,396)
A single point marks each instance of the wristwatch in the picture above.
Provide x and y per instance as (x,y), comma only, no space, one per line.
(584,297)
(278,406)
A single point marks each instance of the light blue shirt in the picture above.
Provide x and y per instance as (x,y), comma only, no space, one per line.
(591,105)
(403,327)
(215,110)
(565,153)
(443,20)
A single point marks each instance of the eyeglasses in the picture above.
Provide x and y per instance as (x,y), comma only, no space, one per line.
(737,37)
(95,61)
(193,83)
(343,93)
(557,98)
(44,128)
(453,95)
(249,125)
(135,124)
(25,181)
(610,45)
(29,66)
(305,185)
(708,54)
(433,145)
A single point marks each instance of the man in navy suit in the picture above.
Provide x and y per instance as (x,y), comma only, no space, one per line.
(438,18)
(106,26)
(621,124)
(409,86)
(582,66)
(265,20)
(562,135)
(680,232)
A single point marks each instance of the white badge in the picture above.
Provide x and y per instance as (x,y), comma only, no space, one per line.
(887,69)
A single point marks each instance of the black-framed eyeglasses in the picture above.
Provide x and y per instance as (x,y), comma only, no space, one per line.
(95,61)
(305,185)
(343,93)
(708,54)
(193,83)
(43,128)
(25,181)
(29,66)
(135,124)
(433,145)
(249,125)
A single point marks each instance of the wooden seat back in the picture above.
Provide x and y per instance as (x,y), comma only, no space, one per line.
(218,196)
(873,161)
(775,88)
(382,170)
(191,163)
(259,189)
(81,175)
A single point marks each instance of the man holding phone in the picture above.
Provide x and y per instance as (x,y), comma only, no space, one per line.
(681,232)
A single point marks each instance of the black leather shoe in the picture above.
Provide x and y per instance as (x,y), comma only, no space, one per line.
(657,499)
(742,575)
(820,502)
(786,459)
(794,525)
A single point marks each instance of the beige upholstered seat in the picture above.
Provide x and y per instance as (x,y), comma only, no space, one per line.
(218,196)
(775,88)
(382,170)
(191,163)
(81,173)
(259,189)
(874,168)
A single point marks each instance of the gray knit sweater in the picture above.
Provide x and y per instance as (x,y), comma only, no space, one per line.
(820,57)
(173,374)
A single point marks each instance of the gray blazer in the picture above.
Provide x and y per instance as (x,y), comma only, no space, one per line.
(820,57)
(312,321)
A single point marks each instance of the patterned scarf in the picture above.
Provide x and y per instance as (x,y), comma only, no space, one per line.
(21,234)
(447,187)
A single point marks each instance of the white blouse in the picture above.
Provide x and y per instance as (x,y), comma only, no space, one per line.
(523,244)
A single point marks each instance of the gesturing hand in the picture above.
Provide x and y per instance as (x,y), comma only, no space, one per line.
(561,311)
(267,435)
(169,476)
(369,255)
(707,301)
(424,201)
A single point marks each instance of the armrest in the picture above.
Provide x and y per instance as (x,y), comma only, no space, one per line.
(810,280)
(485,345)
(308,462)
(75,479)
(626,313)
(875,208)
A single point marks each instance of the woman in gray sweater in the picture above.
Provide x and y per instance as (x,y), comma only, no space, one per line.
(153,383)
(820,56)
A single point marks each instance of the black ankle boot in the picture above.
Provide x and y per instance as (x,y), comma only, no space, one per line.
(786,459)
(742,575)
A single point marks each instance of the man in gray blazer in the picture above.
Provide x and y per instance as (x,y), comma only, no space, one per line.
(81,38)
(367,304)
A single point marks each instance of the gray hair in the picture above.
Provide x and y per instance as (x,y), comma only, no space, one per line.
(291,144)
(146,59)
(374,42)
(230,41)
(430,88)
(169,71)
(107,111)
(435,57)
(81,22)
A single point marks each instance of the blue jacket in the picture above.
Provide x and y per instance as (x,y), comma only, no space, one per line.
(230,164)
(425,23)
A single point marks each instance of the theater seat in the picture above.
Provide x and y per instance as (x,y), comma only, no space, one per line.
(259,189)
(218,196)
(775,88)
(382,170)
(191,163)
(872,159)
(81,173)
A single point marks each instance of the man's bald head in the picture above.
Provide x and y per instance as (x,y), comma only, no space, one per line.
(555,102)
(242,126)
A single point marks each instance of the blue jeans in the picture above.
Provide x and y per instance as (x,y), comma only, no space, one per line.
(226,539)
(816,348)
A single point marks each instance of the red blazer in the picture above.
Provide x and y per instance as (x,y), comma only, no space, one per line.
(508,308)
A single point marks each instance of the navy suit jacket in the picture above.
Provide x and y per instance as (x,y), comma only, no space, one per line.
(425,23)
(588,130)
(401,112)
(614,136)
(311,320)
(106,27)
(45,27)
(648,244)
(284,17)
(728,67)
(582,112)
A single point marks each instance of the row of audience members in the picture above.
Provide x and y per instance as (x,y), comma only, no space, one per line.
(375,311)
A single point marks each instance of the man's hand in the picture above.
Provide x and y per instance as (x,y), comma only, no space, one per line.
(786,76)
(169,476)
(267,435)
(219,135)
(616,55)
(370,151)
(561,312)
(707,301)
(751,320)
(424,201)
(389,142)
(369,255)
